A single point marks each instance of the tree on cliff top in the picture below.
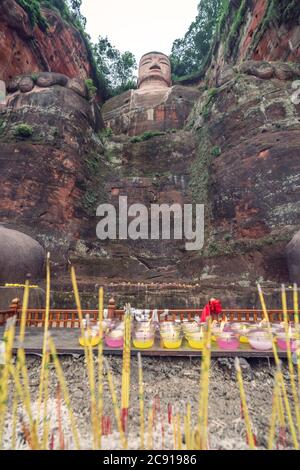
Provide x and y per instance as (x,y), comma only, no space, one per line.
(117,68)
(113,70)
(189,53)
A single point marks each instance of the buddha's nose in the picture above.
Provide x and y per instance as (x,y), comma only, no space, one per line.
(155,66)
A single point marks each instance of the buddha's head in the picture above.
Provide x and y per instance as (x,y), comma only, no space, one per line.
(154,71)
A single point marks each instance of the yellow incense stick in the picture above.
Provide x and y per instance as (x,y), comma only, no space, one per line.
(8,338)
(277,362)
(46,398)
(277,411)
(179,436)
(89,361)
(42,373)
(289,356)
(94,412)
(14,421)
(244,403)
(204,390)
(141,400)
(115,404)
(150,430)
(100,366)
(296,316)
(64,388)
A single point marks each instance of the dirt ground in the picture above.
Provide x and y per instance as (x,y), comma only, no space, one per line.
(176,382)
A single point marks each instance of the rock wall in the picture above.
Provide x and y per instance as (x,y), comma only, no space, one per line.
(251,128)
(48,132)
(233,147)
(262,30)
(27,49)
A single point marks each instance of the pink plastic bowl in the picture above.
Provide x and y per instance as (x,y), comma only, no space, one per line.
(228,341)
(282,344)
(114,342)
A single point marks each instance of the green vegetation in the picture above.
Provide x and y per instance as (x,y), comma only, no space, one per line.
(206,110)
(105,133)
(96,174)
(146,136)
(224,10)
(34,76)
(112,71)
(91,89)
(2,125)
(232,40)
(216,151)
(33,8)
(201,171)
(278,11)
(116,68)
(23,131)
(189,54)
(243,245)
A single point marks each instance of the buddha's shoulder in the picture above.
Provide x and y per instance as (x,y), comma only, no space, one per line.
(119,101)
(131,99)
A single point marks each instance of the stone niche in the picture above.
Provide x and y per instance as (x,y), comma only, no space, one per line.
(155,106)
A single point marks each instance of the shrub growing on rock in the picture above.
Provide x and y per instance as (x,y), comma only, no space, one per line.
(23,131)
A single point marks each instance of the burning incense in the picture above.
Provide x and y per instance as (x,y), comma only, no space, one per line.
(58,410)
(126,365)
(21,369)
(100,366)
(65,392)
(150,430)
(46,398)
(277,362)
(141,399)
(276,411)
(296,316)
(179,436)
(289,356)
(90,364)
(42,374)
(115,404)
(244,404)
(188,426)
(204,390)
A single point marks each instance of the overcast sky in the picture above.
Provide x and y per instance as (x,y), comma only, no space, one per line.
(139,26)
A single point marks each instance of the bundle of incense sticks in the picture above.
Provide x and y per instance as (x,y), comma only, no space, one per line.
(250,437)
(42,389)
(88,353)
(283,411)
(280,375)
(204,391)
(141,400)
(115,404)
(126,366)
(100,367)
(297,326)
(289,356)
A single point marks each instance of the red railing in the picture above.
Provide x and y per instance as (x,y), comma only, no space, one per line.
(68,318)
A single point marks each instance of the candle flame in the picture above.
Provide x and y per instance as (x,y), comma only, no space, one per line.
(290,331)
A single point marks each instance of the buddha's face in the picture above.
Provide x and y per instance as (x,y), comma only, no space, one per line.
(154,68)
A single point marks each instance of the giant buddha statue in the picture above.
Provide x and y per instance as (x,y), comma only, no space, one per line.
(156,105)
